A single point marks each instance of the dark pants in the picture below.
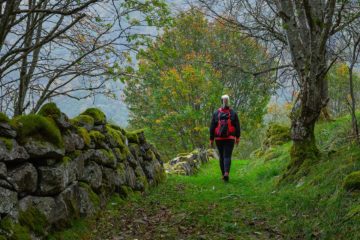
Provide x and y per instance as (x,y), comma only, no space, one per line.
(225,148)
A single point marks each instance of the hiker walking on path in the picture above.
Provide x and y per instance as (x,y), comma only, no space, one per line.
(225,130)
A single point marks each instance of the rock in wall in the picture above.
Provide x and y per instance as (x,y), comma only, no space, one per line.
(54,169)
(187,164)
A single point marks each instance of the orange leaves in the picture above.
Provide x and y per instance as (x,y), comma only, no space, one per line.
(342,70)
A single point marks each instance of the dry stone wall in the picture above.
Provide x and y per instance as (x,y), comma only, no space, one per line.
(54,169)
(188,163)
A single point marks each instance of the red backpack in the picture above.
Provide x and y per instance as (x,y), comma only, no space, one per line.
(224,127)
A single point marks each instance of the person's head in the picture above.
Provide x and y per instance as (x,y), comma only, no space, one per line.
(225,101)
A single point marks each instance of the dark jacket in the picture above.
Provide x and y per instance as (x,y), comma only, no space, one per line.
(234,121)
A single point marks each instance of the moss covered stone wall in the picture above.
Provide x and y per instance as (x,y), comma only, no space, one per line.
(54,169)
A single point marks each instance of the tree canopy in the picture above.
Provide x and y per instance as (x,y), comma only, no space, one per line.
(182,75)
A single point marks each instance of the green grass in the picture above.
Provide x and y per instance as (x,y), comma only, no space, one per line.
(252,205)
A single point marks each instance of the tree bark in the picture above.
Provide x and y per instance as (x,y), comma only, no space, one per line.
(355,126)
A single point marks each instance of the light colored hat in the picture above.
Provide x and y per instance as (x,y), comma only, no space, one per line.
(226,97)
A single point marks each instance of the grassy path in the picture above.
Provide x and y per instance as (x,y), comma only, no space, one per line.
(250,206)
(190,207)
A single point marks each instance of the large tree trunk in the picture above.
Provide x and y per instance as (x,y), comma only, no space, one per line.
(353,105)
(307,38)
(303,119)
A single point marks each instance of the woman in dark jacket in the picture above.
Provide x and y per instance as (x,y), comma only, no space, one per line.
(225,130)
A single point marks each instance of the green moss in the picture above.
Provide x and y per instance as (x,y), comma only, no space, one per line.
(276,135)
(34,220)
(150,154)
(160,175)
(8,142)
(94,198)
(3,117)
(38,127)
(352,181)
(85,135)
(141,177)
(80,229)
(109,154)
(13,230)
(125,191)
(98,116)
(116,134)
(83,120)
(271,154)
(303,155)
(74,154)
(96,136)
(116,127)
(132,137)
(50,110)
(66,160)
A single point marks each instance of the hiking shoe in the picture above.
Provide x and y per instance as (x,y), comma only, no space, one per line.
(226,177)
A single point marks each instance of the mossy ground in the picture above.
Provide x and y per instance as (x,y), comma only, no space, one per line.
(34,220)
(252,205)
(13,231)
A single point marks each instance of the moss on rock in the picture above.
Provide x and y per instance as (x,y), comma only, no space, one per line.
(125,191)
(34,220)
(85,135)
(132,137)
(98,116)
(8,142)
(303,155)
(96,136)
(352,181)
(83,121)
(50,110)
(94,198)
(37,127)
(3,117)
(276,135)
(14,231)
(66,160)
(117,135)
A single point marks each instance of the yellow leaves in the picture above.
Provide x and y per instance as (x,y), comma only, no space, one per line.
(274,108)
(342,69)
(158,121)
(288,106)
(81,38)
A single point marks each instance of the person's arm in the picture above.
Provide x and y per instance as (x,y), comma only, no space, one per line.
(212,128)
(237,128)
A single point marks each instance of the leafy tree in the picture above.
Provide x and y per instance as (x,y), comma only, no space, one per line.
(338,77)
(182,75)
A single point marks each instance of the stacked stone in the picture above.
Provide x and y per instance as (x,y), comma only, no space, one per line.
(187,164)
(58,169)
